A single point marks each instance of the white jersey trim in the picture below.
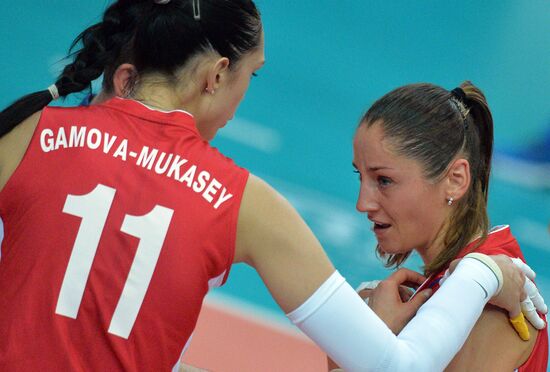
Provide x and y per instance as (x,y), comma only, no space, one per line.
(217,281)
(154,108)
(498,228)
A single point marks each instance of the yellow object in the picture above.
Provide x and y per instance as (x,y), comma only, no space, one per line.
(520,326)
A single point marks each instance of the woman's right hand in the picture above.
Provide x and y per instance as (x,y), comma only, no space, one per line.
(518,285)
(518,295)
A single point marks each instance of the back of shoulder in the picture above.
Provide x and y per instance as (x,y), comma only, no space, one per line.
(14,144)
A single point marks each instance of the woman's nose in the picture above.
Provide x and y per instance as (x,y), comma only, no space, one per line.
(366,201)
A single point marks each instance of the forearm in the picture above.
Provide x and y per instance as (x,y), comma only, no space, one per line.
(338,320)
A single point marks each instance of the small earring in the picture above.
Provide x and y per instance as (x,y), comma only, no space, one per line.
(210,91)
(450,201)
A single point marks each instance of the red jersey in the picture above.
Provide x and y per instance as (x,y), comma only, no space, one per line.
(501,241)
(117,222)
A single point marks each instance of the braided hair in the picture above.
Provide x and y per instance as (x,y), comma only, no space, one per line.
(153,37)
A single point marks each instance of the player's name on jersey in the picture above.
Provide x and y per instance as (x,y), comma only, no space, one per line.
(162,163)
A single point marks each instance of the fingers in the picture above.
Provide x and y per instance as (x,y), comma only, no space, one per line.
(365,288)
(530,312)
(421,297)
(533,300)
(524,268)
(534,295)
(412,285)
(365,294)
(532,303)
(405,275)
(405,293)
(367,285)
(515,310)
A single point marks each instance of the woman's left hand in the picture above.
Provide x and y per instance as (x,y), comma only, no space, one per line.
(390,299)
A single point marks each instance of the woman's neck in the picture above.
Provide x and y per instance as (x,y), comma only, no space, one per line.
(430,253)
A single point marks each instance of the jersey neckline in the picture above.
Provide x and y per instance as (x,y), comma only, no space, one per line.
(135,108)
(500,233)
(496,233)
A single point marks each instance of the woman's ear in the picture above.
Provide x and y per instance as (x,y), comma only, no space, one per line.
(124,79)
(216,75)
(458,179)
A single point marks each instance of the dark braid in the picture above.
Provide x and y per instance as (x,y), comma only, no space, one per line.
(101,46)
(152,37)
(88,64)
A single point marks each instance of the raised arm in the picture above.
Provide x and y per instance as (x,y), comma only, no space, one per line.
(274,239)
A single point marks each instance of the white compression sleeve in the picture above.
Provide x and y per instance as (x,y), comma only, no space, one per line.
(337,319)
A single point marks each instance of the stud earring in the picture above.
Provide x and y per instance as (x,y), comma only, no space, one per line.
(209,91)
(450,201)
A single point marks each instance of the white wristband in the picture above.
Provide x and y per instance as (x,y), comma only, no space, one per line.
(491,264)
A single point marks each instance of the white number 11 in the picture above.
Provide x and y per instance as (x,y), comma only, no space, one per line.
(151,229)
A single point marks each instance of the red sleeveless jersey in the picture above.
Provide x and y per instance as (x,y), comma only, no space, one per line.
(501,241)
(117,222)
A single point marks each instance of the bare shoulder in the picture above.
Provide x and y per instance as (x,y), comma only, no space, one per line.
(493,345)
(264,216)
(14,145)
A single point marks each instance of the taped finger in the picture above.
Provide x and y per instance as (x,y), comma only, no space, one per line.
(526,269)
(535,296)
(530,312)
(520,326)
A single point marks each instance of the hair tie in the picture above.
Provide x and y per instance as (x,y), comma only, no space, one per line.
(459,93)
(161,2)
(458,97)
(54,91)
(196,9)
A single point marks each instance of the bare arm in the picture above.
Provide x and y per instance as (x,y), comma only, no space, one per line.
(493,345)
(273,238)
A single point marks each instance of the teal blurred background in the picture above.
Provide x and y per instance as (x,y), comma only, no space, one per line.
(327,61)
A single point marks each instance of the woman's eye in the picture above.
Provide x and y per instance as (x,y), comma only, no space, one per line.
(359,173)
(384,181)
(254,74)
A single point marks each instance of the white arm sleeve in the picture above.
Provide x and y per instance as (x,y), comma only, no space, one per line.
(338,320)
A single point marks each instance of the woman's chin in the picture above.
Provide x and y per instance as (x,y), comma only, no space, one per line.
(392,249)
